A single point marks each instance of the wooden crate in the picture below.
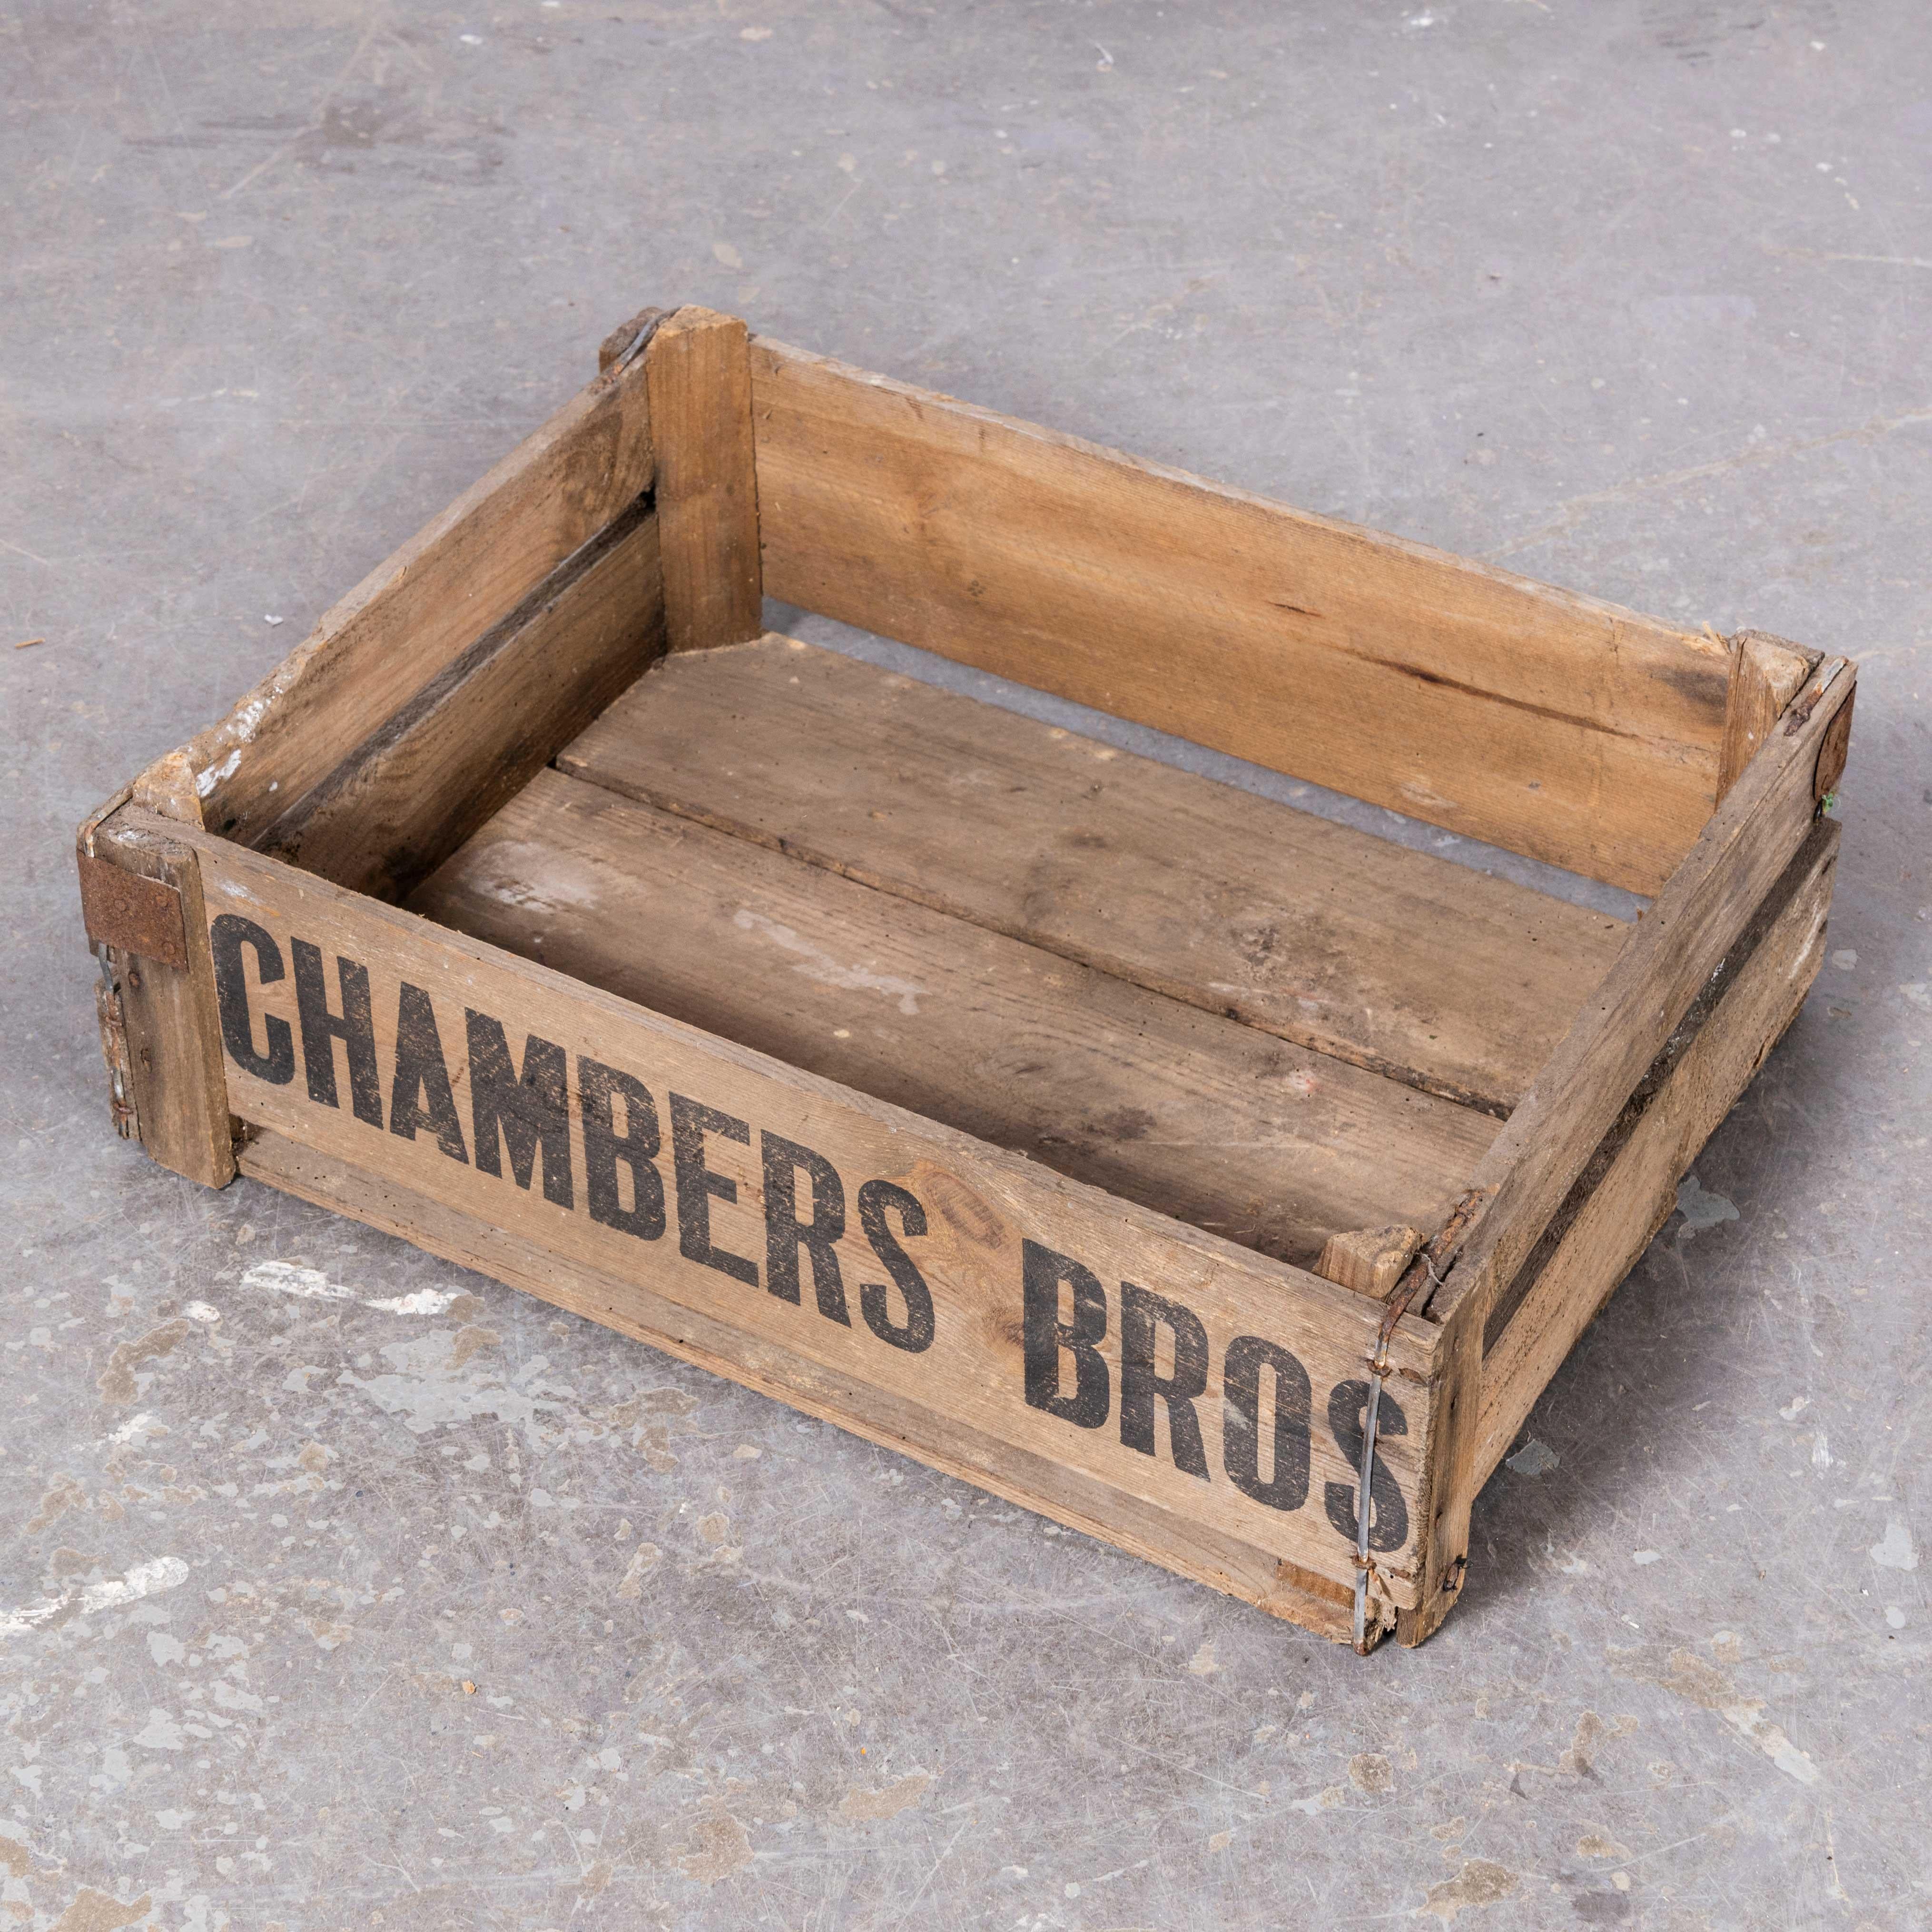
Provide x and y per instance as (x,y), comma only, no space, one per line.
(1215,1179)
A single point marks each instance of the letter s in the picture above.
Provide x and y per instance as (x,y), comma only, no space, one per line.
(1388,1514)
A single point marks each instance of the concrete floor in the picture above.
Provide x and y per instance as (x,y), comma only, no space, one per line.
(1630,296)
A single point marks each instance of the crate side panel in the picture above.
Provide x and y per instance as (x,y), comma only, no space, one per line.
(464,571)
(1638,1189)
(435,770)
(1682,942)
(1566,729)
(928,1302)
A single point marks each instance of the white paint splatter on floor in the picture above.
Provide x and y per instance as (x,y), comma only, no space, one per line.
(1895,1550)
(311,1284)
(164,1573)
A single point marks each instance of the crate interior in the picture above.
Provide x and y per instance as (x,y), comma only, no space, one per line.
(1272,1027)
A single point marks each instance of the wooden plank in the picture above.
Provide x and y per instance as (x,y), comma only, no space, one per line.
(161,1017)
(1536,1160)
(1545,722)
(434,770)
(1369,1260)
(701,386)
(1767,672)
(1631,1187)
(1397,960)
(1183,1111)
(1008,1287)
(463,572)
(1176,1540)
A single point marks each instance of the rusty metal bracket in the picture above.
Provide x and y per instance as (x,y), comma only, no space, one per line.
(132,914)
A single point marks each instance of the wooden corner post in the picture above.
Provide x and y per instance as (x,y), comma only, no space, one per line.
(160,1032)
(1766,673)
(698,368)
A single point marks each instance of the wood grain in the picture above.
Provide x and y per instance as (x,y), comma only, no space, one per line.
(981,1206)
(1548,723)
(1183,1111)
(1369,1260)
(707,493)
(1396,961)
(465,570)
(406,797)
(1767,672)
(1632,1188)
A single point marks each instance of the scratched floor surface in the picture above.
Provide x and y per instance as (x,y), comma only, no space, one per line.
(339,1588)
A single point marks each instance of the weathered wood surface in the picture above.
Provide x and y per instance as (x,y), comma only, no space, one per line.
(1545,722)
(1183,1111)
(1629,1189)
(1767,672)
(707,492)
(406,797)
(1397,960)
(161,1017)
(1002,1281)
(466,570)
(1369,1260)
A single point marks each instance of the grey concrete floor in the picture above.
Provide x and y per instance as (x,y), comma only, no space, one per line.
(1629,295)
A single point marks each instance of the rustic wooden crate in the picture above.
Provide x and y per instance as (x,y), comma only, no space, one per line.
(1188,1169)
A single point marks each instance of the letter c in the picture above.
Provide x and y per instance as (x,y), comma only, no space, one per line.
(226,938)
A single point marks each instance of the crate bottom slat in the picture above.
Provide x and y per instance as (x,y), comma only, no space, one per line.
(1392,959)
(1189,1113)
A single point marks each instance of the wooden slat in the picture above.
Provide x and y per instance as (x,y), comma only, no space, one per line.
(1632,1185)
(1393,960)
(434,770)
(1177,1540)
(1547,723)
(167,1028)
(700,385)
(981,1208)
(464,571)
(1767,672)
(1183,1111)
